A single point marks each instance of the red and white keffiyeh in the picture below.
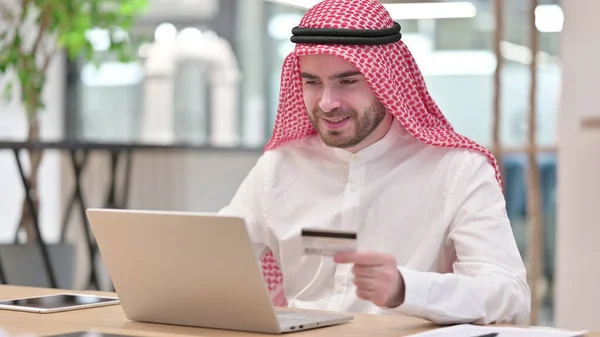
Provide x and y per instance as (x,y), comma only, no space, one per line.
(389,69)
(274,279)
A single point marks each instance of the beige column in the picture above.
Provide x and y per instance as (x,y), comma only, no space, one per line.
(578,227)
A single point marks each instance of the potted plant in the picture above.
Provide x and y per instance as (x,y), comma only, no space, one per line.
(31,33)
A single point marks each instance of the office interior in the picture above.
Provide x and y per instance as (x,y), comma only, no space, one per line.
(180,126)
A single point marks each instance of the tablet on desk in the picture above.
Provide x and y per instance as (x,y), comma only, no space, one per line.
(57,302)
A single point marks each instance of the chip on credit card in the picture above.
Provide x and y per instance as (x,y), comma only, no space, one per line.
(327,242)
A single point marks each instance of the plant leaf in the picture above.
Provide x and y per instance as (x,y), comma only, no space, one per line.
(7,92)
(70,23)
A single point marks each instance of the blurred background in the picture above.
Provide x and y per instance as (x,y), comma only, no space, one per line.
(180,127)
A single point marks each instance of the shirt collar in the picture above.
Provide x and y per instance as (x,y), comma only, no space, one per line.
(376,149)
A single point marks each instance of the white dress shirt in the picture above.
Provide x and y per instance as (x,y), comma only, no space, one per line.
(439,211)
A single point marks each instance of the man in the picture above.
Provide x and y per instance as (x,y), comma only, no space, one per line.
(360,145)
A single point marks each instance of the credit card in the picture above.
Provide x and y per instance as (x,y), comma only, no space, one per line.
(327,242)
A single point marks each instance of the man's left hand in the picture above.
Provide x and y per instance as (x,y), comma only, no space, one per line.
(376,277)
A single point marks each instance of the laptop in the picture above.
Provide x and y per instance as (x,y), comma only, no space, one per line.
(192,269)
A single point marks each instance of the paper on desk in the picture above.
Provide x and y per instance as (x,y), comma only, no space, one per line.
(469,330)
(3,333)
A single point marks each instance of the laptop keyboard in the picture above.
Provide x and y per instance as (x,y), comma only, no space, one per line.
(287,318)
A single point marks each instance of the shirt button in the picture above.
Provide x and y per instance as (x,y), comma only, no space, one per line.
(354,189)
(339,289)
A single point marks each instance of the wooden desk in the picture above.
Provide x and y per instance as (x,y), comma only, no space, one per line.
(111,319)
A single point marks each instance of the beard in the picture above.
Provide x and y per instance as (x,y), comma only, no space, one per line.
(362,124)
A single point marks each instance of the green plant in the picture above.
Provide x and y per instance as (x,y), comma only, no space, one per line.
(32,31)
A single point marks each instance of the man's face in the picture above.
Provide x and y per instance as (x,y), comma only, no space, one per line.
(340,104)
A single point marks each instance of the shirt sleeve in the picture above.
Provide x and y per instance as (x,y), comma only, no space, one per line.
(488,283)
(249,203)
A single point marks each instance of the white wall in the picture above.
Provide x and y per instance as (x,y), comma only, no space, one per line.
(13,126)
(578,227)
(470,111)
